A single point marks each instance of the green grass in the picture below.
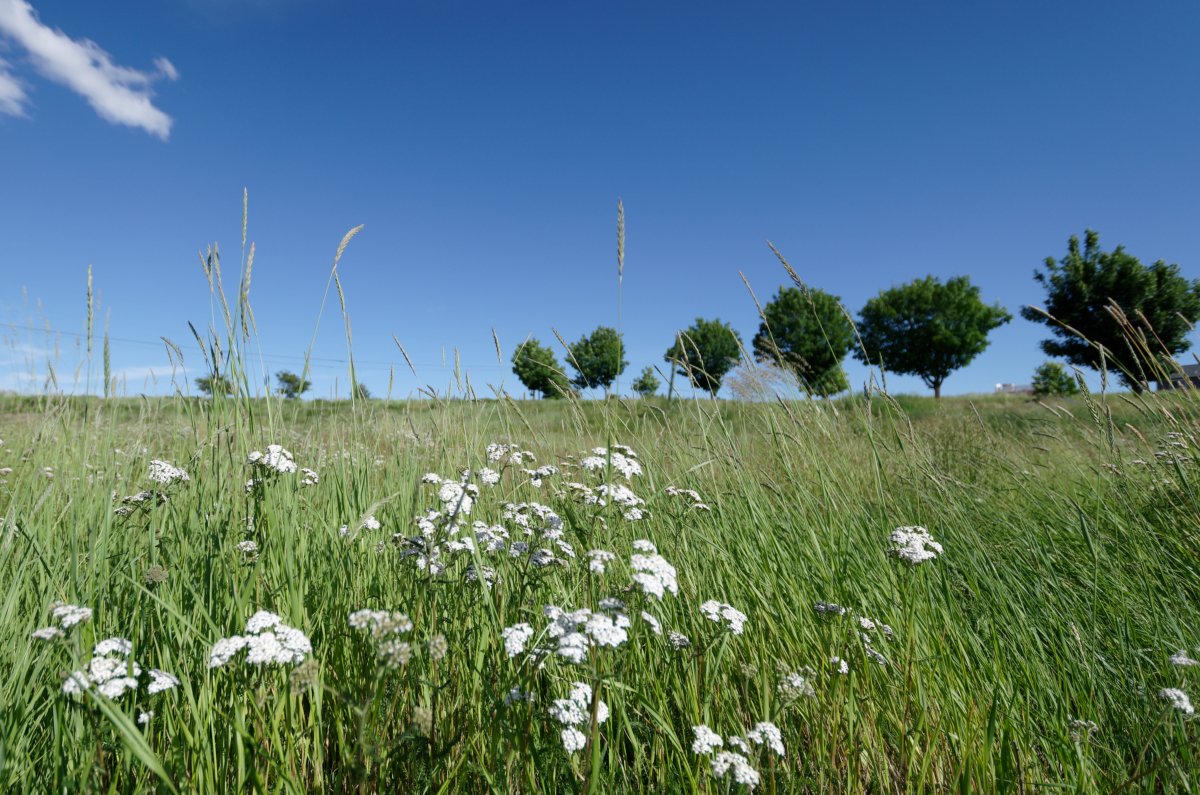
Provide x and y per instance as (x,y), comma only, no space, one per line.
(1070,575)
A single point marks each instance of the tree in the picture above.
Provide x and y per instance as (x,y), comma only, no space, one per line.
(1082,286)
(292,386)
(646,384)
(927,329)
(539,370)
(807,332)
(1051,378)
(361,392)
(215,384)
(704,353)
(597,359)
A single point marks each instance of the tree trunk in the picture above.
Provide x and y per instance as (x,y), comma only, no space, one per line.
(937,390)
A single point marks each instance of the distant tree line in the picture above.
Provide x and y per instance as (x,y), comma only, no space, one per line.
(1105,310)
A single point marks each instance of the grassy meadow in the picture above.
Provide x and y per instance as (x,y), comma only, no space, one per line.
(1030,654)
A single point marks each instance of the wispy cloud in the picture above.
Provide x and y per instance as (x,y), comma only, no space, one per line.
(12,93)
(120,94)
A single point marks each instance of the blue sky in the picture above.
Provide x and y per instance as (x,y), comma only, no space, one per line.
(484,147)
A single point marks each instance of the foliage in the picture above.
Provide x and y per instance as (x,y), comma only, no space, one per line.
(704,352)
(1051,378)
(646,384)
(807,331)
(292,386)
(597,359)
(793,488)
(927,329)
(538,369)
(1079,291)
(211,385)
(361,392)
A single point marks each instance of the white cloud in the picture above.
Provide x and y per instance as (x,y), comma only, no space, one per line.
(12,93)
(118,93)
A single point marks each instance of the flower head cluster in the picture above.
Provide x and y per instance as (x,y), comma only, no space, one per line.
(112,673)
(576,711)
(508,453)
(728,763)
(166,474)
(914,545)
(1181,659)
(1179,699)
(268,641)
(623,460)
(140,500)
(515,638)
(311,478)
(651,572)
(796,684)
(691,496)
(385,627)
(65,616)
(718,612)
(536,476)
(276,459)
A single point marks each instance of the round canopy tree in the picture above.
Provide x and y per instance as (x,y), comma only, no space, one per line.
(704,352)
(538,369)
(806,331)
(1082,286)
(598,359)
(927,329)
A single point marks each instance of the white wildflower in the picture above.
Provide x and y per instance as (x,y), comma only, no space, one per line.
(224,650)
(914,544)
(166,474)
(598,559)
(795,684)
(655,626)
(727,761)
(489,477)
(839,665)
(70,615)
(1179,699)
(262,620)
(653,574)
(160,681)
(705,740)
(117,686)
(311,478)
(112,646)
(678,640)
(144,718)
(605,631)
(276,459)
(515,638)
(247,547)
(767,734)
(573,740)
(1182,659)
(829,608)
(717,612)
(371,523)
(47,633)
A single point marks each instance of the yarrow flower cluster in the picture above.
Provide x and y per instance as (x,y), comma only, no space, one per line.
(623,460)
(705,741)
(111,673)
(720,612)
(869,632)
(268,641)
(1181,659)
(1178,699)
(692,497)
(913,544)
(66,616)
(166,474)
(275,460)
(509,454)
(651,572)
(384,627)
(575,711)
